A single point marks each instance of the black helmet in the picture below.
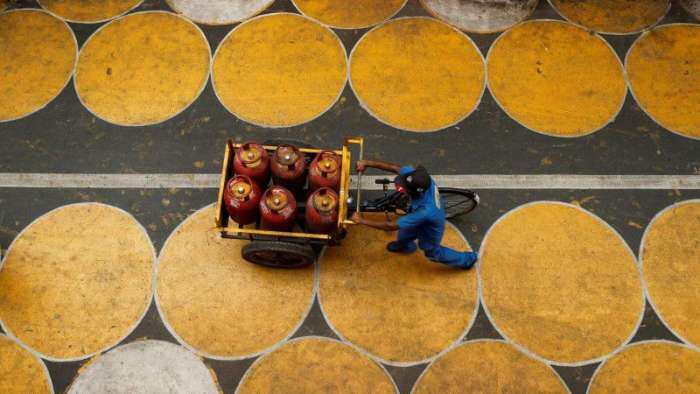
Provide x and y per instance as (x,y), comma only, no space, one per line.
(415,182)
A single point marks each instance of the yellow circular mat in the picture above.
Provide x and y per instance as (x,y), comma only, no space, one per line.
(142,69)
(555,78)
(663,68)
(314,365)
(349,15)
(220,305)
(37,58)
(20,371)
(560,282)
(613,16)
(89,11)
(671,266)
(77,281)
(488,366)
(401,308)
(649,367)
(417,74)
(279,70)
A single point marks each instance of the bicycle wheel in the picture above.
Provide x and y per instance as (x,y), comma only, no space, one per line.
(457,202)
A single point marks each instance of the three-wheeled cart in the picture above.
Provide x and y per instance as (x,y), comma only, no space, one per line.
(289,249)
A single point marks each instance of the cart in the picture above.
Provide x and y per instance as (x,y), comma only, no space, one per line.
(289,249)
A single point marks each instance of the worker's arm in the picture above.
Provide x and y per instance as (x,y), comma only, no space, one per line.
(386,225)
(381,165)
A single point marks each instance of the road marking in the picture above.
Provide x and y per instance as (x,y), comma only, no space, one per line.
(475,181)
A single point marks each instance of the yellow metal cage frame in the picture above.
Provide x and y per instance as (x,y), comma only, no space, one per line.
(345,153)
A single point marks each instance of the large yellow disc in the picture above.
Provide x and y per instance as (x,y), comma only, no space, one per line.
(37,59)
(501,369)
(417,74)
(220,305)
(648,368)
(400,308)
(613,16)
(143,68)
(77,281)
(344,14)
(314,365)
(556,78)
(663,68)
(89,11)
(279,70)
(560,282)
(20,371)
(671,266)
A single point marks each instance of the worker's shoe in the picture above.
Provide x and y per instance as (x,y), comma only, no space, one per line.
(397,247)
(470,258)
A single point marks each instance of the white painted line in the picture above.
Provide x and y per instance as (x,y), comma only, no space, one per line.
(473,181)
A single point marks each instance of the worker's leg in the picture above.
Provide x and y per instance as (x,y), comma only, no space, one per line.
(405,241)
(447,256)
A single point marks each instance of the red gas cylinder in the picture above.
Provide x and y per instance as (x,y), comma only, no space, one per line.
(288,167)
(322,211)
(242,197)
(324,171)
(251,159)
(278,209)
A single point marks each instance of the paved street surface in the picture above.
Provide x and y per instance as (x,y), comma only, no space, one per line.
(578,123)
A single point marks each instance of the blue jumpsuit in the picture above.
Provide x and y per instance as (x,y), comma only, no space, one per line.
(425,222)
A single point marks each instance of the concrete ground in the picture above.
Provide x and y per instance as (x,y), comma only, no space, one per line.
(115,282)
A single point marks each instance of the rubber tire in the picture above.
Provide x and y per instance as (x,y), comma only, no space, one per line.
(273,253)
(468,194)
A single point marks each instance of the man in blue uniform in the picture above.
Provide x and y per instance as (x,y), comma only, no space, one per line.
(425,220)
